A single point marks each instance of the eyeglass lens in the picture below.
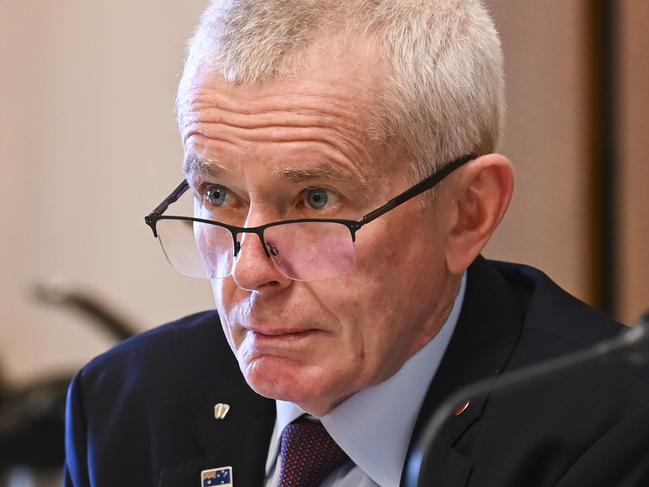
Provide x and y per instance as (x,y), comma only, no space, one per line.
(309,251)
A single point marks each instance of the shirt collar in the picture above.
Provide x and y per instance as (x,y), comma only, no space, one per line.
(374,425)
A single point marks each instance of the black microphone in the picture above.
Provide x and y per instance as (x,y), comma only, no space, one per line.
(631,345)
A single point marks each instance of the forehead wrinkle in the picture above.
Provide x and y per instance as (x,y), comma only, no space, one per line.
(219,112)
(251,100)
(338,145)
(342,143)
(245,107)
(285,117)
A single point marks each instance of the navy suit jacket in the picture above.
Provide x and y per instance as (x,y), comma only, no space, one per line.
(142,413)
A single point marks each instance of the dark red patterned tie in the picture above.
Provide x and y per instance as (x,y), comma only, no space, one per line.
(309,454)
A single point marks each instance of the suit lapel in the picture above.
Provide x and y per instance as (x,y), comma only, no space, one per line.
(240,440)
(487,331)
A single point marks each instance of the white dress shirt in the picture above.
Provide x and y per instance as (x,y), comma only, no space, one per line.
(374,426)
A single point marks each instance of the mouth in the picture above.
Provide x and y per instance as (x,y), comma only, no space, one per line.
(273,338)
(282,333)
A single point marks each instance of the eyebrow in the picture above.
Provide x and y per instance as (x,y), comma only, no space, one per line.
(322,171)
(213,167)
(195,165)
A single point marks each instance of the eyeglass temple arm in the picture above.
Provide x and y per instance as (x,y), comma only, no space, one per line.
(172,198)
(418,188)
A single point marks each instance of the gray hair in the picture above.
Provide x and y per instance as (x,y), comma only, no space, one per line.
(444,92)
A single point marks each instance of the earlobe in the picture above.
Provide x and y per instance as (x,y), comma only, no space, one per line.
(482,195)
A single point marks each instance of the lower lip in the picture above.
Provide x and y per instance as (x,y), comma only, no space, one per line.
(284,337)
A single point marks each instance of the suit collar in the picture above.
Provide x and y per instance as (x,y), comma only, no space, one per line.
(487,332)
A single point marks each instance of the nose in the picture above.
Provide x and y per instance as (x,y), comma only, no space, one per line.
(252,269)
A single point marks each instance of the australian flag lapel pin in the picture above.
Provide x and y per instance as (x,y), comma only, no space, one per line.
(217,476)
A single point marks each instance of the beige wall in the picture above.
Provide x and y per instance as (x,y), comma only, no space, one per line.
(546,139)
(88,146)
(633,212)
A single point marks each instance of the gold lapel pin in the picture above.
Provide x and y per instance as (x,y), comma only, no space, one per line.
(221,410)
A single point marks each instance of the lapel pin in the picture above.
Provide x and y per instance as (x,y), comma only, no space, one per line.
(221,411)
(217,476)
(461,408)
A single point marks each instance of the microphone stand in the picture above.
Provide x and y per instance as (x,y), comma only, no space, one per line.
(632,344)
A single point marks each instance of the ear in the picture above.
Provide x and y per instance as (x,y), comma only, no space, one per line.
(480,197)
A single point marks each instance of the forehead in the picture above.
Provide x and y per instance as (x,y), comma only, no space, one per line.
(325,107)
(334,60)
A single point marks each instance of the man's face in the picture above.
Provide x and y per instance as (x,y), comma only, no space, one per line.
(276,151)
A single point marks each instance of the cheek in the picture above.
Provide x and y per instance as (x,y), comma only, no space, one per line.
(364,307)
(393,290)
(224,294)
(220,291)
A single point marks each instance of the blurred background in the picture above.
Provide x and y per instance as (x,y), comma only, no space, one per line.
(88,146)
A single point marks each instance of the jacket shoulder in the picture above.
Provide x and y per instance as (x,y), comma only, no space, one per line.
(179,347)
(133,411)
(550,309)
(572,420)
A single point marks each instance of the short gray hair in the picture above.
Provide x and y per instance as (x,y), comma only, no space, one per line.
(444,95)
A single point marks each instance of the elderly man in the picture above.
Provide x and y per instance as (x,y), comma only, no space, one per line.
(340,161)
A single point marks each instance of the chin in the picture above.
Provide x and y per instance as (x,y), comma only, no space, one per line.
(285,380)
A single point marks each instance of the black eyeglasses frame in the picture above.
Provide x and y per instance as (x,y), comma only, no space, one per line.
(353,225)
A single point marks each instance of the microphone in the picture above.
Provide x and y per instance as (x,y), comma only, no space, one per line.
(631,345)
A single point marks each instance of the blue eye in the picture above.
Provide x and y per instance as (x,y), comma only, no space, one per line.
(216,195)
(317,198)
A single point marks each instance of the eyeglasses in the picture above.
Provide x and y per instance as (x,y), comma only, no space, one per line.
(308,249)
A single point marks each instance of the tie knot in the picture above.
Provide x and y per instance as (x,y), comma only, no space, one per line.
(309,454)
